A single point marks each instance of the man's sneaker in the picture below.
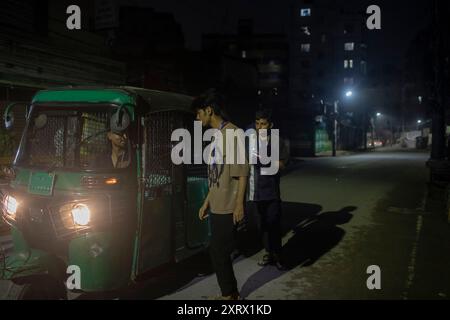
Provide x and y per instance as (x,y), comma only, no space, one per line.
(278,263)
(266,260)
(280,266)
(272,259)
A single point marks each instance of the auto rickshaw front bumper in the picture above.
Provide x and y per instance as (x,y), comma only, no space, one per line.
(26,262)
(97,255)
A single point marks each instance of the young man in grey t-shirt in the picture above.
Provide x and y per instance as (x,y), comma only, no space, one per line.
(225,200)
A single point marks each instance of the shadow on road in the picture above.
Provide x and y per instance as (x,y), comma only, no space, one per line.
(312,238)
(314,234)
(293,213)
(169,280)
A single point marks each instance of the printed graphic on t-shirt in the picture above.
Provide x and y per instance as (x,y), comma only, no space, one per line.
(214,172)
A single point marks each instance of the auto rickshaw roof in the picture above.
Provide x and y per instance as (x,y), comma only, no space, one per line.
(124,95)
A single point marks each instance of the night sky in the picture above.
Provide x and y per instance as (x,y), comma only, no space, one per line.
(401,19)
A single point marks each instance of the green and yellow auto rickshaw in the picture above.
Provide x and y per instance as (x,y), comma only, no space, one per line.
(68,211)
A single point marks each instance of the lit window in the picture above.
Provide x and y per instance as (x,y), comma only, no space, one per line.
(345,64)
(306,12)
(244,54)
(350,64)
(306,47)
(306,30)
(349,46)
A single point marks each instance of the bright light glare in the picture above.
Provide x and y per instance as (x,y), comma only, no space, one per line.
(111,181)
(348,93)
(11,205)
(419,121)
(378,114)
(81,214)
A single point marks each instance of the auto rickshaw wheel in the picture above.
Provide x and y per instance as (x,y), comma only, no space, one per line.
(37,288)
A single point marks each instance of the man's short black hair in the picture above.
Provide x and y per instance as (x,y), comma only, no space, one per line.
(264,114)
(210,98)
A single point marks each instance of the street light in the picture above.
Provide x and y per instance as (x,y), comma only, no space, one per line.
(348,94)
(419,121)
(378,114)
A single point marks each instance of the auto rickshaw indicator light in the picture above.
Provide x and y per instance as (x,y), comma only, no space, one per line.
(81,214)
(11,205)
(98,182)
(111,181)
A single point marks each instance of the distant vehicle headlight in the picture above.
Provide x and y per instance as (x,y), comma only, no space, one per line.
(81,214)
(10,204)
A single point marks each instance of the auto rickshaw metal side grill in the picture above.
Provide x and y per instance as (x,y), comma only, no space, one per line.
(159,179)
(196,172)
(158,182)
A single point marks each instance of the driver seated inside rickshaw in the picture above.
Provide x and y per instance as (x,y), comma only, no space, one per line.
(118,155)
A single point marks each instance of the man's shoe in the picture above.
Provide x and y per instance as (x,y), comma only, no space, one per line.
(272,259)
(266,260)
(278,263)
(280,266)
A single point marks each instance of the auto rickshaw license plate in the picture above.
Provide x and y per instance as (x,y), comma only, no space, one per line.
(41,183)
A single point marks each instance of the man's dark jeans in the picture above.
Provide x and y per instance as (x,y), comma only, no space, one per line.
(223,242)
(268,214)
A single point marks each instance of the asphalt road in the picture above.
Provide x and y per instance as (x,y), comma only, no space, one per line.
(340,216)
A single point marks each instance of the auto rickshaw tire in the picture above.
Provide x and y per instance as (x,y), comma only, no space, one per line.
(41,288)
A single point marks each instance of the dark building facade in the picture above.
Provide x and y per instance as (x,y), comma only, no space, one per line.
(38,51)
(149,42)
(327,59)
(268,54)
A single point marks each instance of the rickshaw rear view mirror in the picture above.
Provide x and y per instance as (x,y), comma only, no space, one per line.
(8,116)
(120,120)
(9,119)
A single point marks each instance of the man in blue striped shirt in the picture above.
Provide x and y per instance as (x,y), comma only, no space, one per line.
(263,194)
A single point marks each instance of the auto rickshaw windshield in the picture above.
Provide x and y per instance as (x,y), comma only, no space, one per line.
(73,138)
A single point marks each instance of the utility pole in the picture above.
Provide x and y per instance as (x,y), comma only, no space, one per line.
(438,124)
(365,129)
(372,125)
(335,125)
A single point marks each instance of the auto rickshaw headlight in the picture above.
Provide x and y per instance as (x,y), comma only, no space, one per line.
(10,204)
(81,214)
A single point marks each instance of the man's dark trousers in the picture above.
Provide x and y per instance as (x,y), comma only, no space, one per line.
(268,214)
(223,242)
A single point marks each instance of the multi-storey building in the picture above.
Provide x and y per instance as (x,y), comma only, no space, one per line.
(327,59)
(268,53)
